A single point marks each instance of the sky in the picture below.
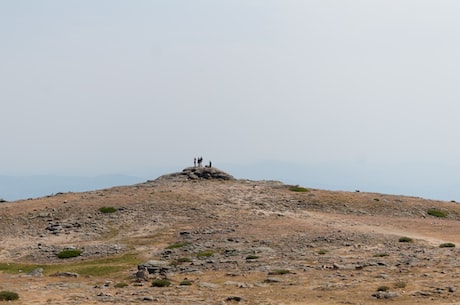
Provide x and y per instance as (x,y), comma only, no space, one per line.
(338,94)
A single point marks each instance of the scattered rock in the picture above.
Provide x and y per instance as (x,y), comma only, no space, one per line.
(155,267)
(208,285)
(238,284)
(386,295)
(347,267)
(197,173)
(234,298)
(36,272)
(66,274)
(272,280)
(238,224)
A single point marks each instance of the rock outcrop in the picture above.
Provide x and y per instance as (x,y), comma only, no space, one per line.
(197,173)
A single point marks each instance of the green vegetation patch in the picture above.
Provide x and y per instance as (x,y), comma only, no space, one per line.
(180,260)
(97,267)
(400,284)
(205,254)
(121,285)
(279,272)
(69,253)
(107,210)
(125,259)
(296,188)
(184,260)
(185,283)
(161,283)
(322,251)
(8,296)
(16,268)
(98,270)
(405,239)
(251,257)
(447,245)
(383,254)
(437,213)
(105,266)
(383,288)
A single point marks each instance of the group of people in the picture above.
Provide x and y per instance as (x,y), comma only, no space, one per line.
(199,162)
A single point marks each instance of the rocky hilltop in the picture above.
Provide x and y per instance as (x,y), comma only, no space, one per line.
(209,238)
(197,173)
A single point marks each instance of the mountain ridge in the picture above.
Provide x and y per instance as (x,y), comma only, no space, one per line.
(259,242)
(14,188)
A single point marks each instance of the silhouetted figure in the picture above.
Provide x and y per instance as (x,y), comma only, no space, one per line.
(200,160)
(210,164)
(194,162)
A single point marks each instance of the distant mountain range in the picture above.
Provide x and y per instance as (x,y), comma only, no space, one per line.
(430,181)
(427,181)
(23,187)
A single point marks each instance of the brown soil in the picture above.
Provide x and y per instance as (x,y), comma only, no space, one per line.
(335,247)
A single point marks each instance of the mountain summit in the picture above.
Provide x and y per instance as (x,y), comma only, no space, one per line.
(197,173)
(208,238)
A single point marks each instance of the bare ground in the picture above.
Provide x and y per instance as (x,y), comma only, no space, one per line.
(237,241)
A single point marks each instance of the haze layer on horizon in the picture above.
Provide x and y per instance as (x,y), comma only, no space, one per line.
(98,87)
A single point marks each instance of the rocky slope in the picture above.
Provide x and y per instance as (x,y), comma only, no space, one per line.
(230,241)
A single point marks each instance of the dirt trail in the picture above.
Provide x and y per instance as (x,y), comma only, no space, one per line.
(437,232)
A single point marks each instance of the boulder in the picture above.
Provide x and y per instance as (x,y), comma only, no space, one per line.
(155,267)
(36,272)
(142,275)
(386,295)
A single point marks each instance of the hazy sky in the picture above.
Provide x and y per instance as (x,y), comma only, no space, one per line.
(91,87)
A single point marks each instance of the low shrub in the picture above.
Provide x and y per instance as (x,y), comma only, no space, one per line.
(205,254)
(279,272)
(161,283)
(322,251)
(185,283)
(251,257)
(383,288)
(184,260)
(405,239)
(296,188)
(120,285)
(400,284)
(107,210)
(437,213)
(69,253)
(447,245)
(8,296)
